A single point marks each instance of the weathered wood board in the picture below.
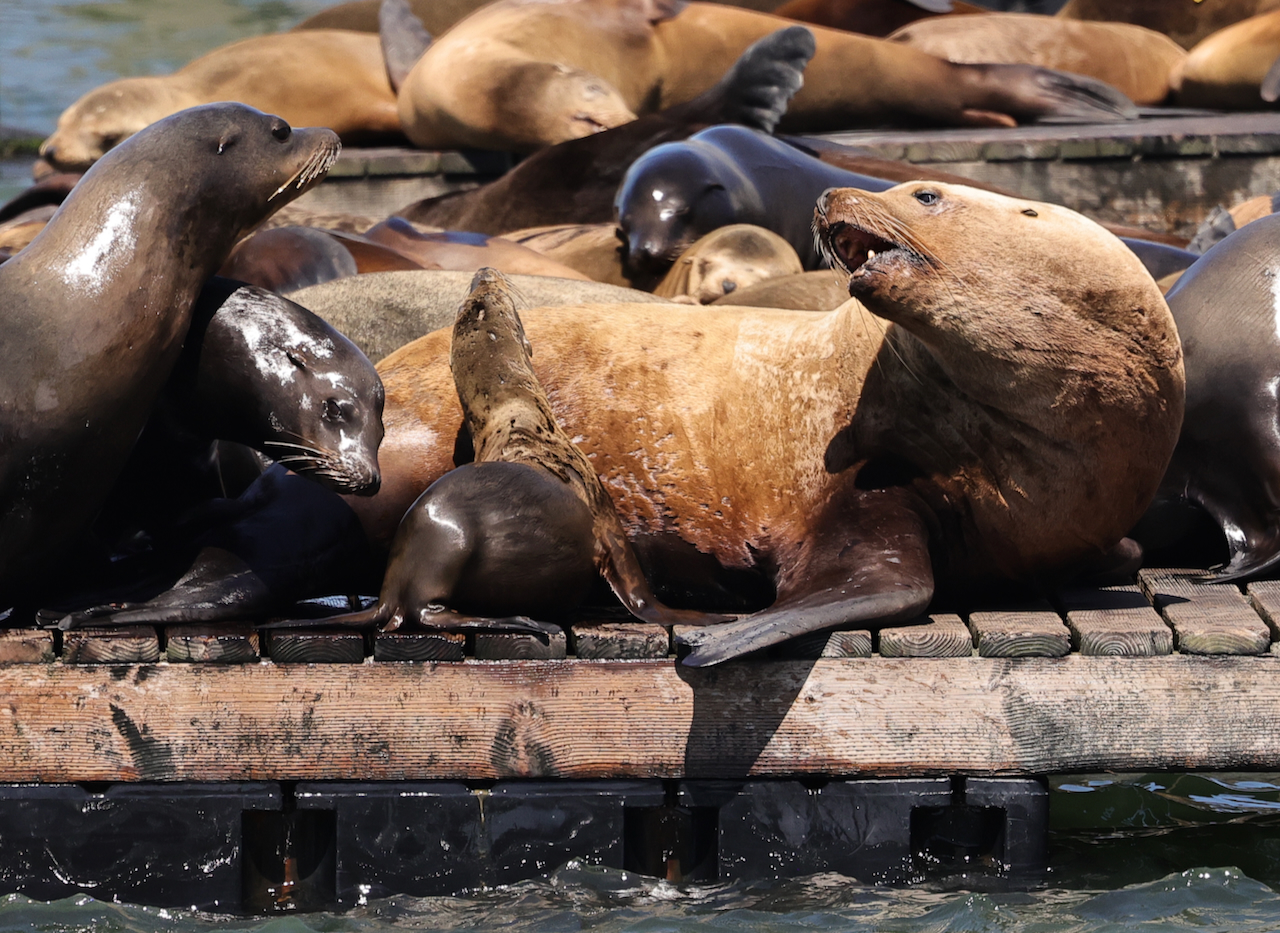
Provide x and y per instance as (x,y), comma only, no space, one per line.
(591,719)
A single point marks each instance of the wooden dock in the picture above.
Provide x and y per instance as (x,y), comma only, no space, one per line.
(1165,171)
(1163,674)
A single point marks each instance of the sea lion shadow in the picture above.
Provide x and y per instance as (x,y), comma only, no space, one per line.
(735,715)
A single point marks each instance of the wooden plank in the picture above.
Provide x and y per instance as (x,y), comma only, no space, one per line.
(302,646)
(419,646)
(519,646)
(618,640)
(1206,618)
(944,636)
(130,644)
(1115,620)
(1034,632)
(596,719)
(25,646)
(226,644)
(852,644)
(1264,596)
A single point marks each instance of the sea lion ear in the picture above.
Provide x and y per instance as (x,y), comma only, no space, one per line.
(404,40)
(656,11)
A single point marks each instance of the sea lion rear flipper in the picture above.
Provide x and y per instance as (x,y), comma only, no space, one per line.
(1033,94)
(757,89)
(403,38)
(1270,89)
(882,574)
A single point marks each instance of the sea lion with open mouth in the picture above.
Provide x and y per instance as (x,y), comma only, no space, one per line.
(1009,415)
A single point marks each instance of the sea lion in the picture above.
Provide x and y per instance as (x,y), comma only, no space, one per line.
(1228,456)
(821,290)
(1184,23)
(1135,60)
(678,192)
(316,78)
(575,181)
(94,312)
(725,260)
(523,529)
(1233,69)
(870,17)
(1160,258)
(383,311)
(592,249)
(285,259)
(1012,419)
(519,75)
(455,251)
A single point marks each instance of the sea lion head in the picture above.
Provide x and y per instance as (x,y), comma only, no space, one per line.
(278,378)
(727,259)
(106,116)
(673,195)
(1038,349)
(556,103)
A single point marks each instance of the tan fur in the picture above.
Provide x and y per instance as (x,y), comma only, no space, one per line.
(1135,60)
(734,427)
(314,78)
(1225,71)
(592,249)
(1253,209)
(1186,22)
(454,96)
(821,290)
(738,255)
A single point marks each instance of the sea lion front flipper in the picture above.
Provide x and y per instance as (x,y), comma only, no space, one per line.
(621,570)
(755,92)
(1033,94)
(403,38)
(877,571)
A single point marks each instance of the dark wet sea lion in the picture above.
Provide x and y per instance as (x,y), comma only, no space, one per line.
(523,529)
(285,259)
(870,17)
(334,79)
(1160,259)
(457,251)
(519,75)
(1184,23)
(1228,457)
(575,181)
(678,192)
(1134,60)
(850,462)
(93,313)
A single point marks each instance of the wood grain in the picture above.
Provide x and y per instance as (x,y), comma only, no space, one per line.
(1206,618)
(597,719)
(1115,620)
(518,646)
(944,636)
(854,644)
(25,646)
(300,646)
(618,640)
(1264,596)
(419,646)
(227,644)
(1038,633)
(130,644)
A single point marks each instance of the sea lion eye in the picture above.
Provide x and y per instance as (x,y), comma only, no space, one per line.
(1029,212)
(332,411)
(281,131)
(295,359)
(927,197)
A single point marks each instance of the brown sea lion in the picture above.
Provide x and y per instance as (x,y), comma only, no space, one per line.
(725,260)
(94,312)
(870,17)
(1233,69)
(317,78)
(1184,23)
(592,249)
(821,290)
(519,75)
(1013,419)
(285,259)
(575,181)
(1135,60)
(523,529)
(465,252)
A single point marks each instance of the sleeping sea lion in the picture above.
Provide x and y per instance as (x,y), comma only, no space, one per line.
(285,259)
(821,290)
(94,312)
(725,260)
(455,251)
(1012,419)
(871,17)
(317,78)
(1233,69)
(1184,23)
(524,528)
(519,75)
(1134,60)
(592,249)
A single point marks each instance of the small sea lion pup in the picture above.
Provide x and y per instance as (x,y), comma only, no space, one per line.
(315,78)
(94,312)
(524,529)
(1012,418)
(520,74)
(726,260)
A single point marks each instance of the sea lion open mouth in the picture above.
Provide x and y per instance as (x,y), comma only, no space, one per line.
(852,228)
(852,247)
